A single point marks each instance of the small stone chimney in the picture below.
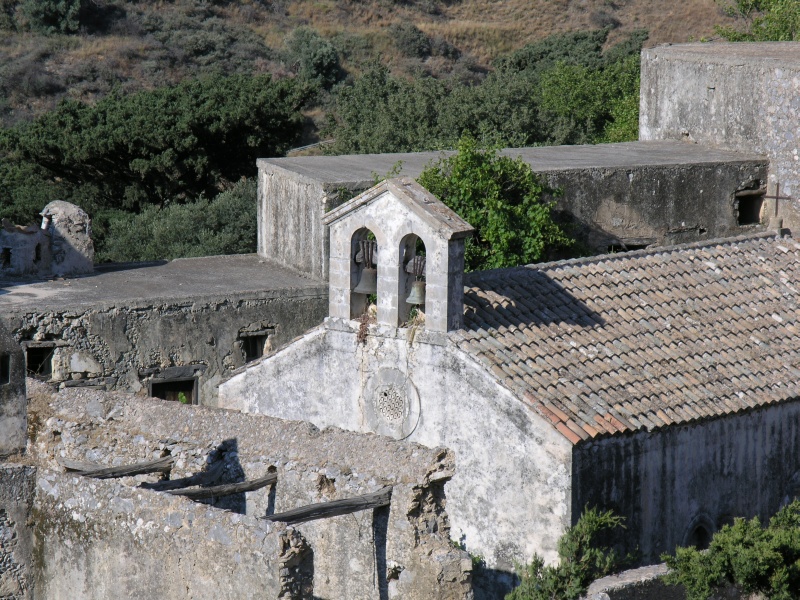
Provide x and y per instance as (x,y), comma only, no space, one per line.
(405,233)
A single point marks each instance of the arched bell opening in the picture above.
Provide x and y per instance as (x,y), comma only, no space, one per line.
(363,272)
(413,257)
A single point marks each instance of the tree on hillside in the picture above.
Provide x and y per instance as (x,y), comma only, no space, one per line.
(53,16)
(312,57)
(765,21)
(502,198)
(536,95)
(157,147)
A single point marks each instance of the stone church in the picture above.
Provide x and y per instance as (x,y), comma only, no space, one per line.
(661,383)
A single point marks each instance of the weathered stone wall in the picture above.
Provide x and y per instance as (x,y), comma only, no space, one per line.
(13,404)
(670,481)
(16,535)
(127,345)
(663,205)
(737,96)
(510,495)
(290,229)
(97,536)
(633,193)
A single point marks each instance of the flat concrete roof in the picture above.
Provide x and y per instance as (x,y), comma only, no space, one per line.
(181,280)
(756,54)
(360,169)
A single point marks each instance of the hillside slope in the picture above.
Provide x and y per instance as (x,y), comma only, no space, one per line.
(145,44)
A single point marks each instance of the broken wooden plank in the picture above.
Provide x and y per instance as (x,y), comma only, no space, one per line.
(76,465)
(203,478)
(153,466)
(225,490)
(335,508)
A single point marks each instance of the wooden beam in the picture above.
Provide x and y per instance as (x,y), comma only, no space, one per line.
(203,478)
(98,472)
(225,490)
(324,510)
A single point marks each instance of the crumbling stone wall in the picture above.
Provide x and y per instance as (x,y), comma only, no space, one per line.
(95,534)
(61,247)
(127,347)
(16,537)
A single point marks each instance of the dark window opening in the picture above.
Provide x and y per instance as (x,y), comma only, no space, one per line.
(37,253)
(178,390)
(5,370)
(5,258)
(750,210)
(39,361)
(700,538)
(253,347)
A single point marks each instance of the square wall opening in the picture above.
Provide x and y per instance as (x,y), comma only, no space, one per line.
(5,369)
(253,346)
(39,361)
(175,390)
(750,210)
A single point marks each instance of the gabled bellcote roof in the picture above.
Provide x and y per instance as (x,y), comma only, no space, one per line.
(638,341)
(417,199)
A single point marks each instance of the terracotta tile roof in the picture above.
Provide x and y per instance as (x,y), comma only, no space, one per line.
(641,340)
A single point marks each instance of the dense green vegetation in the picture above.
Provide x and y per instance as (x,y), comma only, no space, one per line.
(173,145)
(562,90)
(225,224)
(765,21)
(757,559)
(502,198)
(582,559)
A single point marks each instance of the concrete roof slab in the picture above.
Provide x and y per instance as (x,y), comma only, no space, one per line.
(359,170)
(131,284)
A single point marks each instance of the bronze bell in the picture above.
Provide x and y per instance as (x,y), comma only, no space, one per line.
(417,295)
(368,282)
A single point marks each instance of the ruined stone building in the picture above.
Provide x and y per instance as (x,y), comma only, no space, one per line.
(61,247)
(658,381)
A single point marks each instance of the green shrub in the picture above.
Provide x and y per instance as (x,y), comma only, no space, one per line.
(581,561)
(765,20)
(52,16)
(757,559)
(312,57)
(410,41)
(502,198)
(7,10)
(224,225)
(201,42)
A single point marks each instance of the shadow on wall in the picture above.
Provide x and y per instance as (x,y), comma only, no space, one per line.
(228,453)
(521,297)
(222,467)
